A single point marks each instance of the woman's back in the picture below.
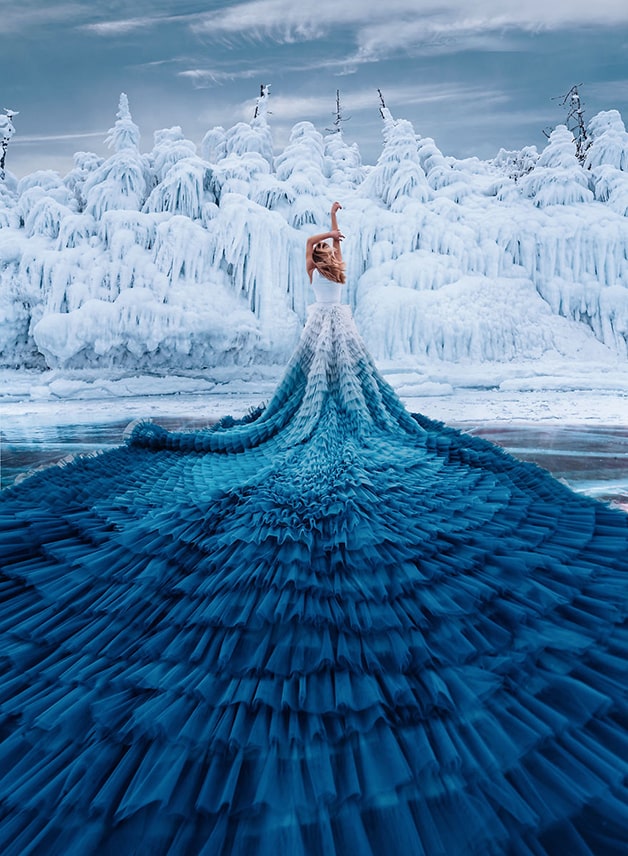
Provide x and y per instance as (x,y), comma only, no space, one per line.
(325,290)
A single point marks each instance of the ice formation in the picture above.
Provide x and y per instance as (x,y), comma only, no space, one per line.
(186,257)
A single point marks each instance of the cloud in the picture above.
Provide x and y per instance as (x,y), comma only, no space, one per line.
(20,139)
(118,28)
(282,20)
(26,16)
(202,78)
(381,28)
(146,15)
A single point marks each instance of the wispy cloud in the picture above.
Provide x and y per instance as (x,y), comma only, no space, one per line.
(202,78)
(118,28)
(26,16)
(380,27)
(147,15)
(121,26)
(54,138)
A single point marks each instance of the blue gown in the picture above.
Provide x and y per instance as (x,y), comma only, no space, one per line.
(329,628)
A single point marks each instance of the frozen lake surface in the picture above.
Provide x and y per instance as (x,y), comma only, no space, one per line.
(590,457)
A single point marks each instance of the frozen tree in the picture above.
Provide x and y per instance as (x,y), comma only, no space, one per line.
(125,134)
(575,121)
(607,158)
(45,218)
(261,104)
(344,165)
(303,158)
(557,178)
(247,174)
(244,138)
(7,130)
(343,161)
(609,141)
(42,201)
(182,179)
(302,168)
(440,174)
(339,118)
(241,154)
(516,164)
(170,146)
(183,190)
(255,137)
(398,177)
(213,145)
(85,163)
(121,182)
(9,216)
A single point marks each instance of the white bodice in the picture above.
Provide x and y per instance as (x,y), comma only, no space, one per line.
(325,290)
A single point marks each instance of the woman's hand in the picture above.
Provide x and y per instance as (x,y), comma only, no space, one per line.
(337,235)
(335,207)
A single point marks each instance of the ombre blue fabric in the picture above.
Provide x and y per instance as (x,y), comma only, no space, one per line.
(329,628)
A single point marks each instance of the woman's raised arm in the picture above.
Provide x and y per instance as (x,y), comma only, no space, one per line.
(334,227)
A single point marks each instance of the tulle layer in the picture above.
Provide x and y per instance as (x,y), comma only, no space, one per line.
(330,628)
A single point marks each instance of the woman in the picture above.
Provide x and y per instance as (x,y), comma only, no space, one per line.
(330,628)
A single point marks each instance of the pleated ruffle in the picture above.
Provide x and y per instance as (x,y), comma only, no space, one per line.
(329,628)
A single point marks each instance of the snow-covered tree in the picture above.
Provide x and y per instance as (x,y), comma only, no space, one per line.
(121,182)
(85,163)
(182,179)
(607,158)
(398,177)
(7,130)
(574,105)
(440,173)
(213,146)
(255,137)
(302,167)
(609,141)
(558,177)
(125,134)
(344,164)
(516,164)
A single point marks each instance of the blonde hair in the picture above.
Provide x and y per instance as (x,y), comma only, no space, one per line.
(327,264)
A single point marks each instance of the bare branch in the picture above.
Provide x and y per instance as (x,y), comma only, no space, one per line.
(575,119)
(338,117)
(382,103)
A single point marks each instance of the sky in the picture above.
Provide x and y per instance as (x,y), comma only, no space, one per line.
(474,76)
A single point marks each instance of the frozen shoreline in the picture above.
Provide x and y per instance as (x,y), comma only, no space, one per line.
(534,392)
(573,422)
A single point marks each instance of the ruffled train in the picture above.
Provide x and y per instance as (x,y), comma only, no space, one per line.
(329,628)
